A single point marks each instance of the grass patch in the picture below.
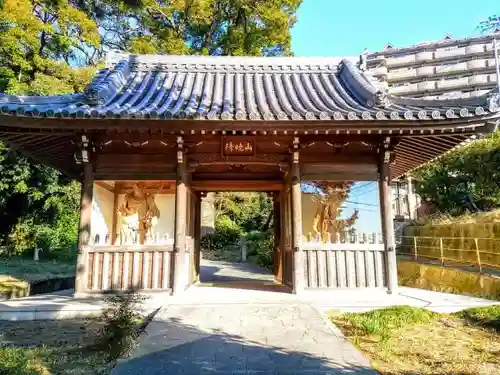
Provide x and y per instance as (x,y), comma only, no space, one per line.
(16,273)
(30,270)
(50,347)
(409,340)
(72,347)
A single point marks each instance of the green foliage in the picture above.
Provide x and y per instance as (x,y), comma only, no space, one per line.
(226,234)
(51,226)
(382,321)
(470,170)
(122,320)
(38,206)
(37,41)
(207,27)
(261,244)
(17,361)
(488,317)
(250,211)
(238,216)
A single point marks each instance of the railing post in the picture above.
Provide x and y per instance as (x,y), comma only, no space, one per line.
(415,251)
(478,255)
(441,250)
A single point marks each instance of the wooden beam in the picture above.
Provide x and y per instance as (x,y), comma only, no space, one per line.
(133,175)
(340,176)
(135,159)
(328,158)
(250,185)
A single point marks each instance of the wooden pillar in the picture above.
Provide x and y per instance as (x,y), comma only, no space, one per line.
(285,240)
(197,238)
(115,214)
(387,222)
(278,248)
(84,228)
(298,256)
(180,267)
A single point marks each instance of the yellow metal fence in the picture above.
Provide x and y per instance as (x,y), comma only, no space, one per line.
(477,252)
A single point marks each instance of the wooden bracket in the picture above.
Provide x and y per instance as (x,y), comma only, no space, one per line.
(180,150)
(85,149)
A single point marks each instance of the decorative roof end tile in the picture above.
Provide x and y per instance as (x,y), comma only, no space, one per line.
(493,102)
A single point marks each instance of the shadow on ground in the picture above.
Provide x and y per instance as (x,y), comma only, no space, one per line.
(238,276)
(172,348)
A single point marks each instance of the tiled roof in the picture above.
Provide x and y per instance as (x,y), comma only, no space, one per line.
(241,88)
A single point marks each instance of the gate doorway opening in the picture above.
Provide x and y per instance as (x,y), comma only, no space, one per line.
(240,239)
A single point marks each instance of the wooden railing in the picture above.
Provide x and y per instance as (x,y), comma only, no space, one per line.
(480,253)
(118,268)
(345,261)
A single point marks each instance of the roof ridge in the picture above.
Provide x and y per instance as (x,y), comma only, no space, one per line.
(113,58)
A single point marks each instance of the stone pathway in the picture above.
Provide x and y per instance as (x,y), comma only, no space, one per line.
(215,272)
(263,333)
(242,339)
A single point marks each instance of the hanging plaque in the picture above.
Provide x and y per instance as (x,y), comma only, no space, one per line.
(238,146)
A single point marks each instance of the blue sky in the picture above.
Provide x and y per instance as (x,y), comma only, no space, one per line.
(346,28)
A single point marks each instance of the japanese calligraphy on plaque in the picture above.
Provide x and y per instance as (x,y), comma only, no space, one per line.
(238,146)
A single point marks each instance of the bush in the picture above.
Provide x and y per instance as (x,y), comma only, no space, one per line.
(261,244)
(17,361)
(122,322)
(226,234)
(53,227)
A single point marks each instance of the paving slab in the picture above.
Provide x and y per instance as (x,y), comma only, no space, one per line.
(249,325)
(242,339)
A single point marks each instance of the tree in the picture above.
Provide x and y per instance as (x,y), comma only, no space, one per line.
(54,46)
(38,205)
(470,171)
(328,197)
(207,27)
(39,42)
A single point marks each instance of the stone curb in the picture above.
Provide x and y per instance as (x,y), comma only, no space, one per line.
(332,327)
(47,314)
(50,313)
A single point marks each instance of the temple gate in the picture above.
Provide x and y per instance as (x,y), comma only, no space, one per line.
(151,135)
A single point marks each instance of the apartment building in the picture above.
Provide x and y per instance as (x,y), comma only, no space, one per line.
(444,68)
(433,69)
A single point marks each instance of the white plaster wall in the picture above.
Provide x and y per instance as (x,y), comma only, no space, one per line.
(308,212)
(102,214)
(166,205)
